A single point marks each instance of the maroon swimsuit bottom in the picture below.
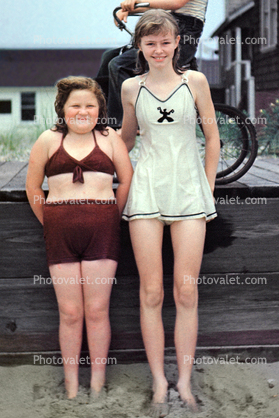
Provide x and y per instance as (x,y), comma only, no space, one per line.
(76,230)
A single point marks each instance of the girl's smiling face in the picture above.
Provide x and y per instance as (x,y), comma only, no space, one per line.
(81,111)
(158,50)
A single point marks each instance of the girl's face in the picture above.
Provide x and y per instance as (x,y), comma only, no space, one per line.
(158,50)
(81,111)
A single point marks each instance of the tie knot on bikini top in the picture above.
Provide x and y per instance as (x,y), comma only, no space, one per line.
(62,162)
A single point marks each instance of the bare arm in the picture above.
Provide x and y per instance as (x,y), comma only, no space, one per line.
(207,114)
(129,6)
(124,169)
(35,176)
(130,123)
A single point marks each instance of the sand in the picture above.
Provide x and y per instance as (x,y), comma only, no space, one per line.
(223,390)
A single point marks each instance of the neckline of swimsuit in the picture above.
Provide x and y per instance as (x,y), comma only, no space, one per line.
(184,80)
(82,164)
(88,155)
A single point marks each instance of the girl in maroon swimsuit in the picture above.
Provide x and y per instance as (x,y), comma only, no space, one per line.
(81,219)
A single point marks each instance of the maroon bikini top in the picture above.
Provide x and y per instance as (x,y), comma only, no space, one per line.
(62,162)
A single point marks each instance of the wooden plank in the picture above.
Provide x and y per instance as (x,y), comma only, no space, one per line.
(17,182)
(256,181)
(243,191)
(229,314)
(243,238)
(260,177)
(270,353)
(13,173)
(9,170)
(269,175)
(22,246)
(272,161)
(267,165)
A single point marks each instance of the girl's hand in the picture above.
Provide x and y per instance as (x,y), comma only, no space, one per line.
(128,5)
(123,167)
(121,16)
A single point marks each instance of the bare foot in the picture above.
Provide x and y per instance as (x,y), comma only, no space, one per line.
(97,380)
(188,400)
(159,407)
(160,391)
(98,395)
(191,405)
(159,410)
(71,389)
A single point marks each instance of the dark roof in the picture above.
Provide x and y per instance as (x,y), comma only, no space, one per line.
(235,14)
(42,68)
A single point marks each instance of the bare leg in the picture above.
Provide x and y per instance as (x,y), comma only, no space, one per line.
(146,236)
(99,276)
(188,241)
(68,289)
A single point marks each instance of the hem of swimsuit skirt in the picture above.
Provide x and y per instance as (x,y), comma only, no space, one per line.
(211,216)
(186,217)
(169,218)
(174,218)
(141,216)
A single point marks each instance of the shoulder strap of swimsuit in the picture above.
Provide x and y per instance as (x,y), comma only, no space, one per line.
(95,140)
(62,139)
(143,80)
(186,81)
(184,77)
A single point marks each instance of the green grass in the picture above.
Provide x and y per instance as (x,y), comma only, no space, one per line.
(134,154)
(16,144)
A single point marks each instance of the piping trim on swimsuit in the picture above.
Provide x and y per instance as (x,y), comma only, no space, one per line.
(184,82)
(169,216)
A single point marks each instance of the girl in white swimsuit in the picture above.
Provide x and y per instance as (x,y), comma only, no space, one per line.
(169,186)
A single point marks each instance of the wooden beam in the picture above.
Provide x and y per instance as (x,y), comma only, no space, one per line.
(231,313)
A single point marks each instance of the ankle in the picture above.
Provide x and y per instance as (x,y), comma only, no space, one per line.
(160,390)
(97,381)
(71,387)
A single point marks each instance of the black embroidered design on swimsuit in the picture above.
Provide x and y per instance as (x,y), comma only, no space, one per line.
(165,114)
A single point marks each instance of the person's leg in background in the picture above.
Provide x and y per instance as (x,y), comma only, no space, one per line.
(120,68)
(107,56)
(190,32)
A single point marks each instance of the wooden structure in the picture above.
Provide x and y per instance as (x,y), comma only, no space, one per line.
(239,289)
(27,79)
(249,53)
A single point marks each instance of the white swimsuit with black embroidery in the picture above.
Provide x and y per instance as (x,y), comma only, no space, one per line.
(169,182)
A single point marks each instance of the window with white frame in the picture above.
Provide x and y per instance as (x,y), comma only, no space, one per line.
(268,24)
(28,106)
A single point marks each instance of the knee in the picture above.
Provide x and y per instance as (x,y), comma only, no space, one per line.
(152,296)
(186,296)
(70,314)
(96,311)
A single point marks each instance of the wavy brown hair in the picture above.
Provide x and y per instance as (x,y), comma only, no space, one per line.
(155,22)
(65,86)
